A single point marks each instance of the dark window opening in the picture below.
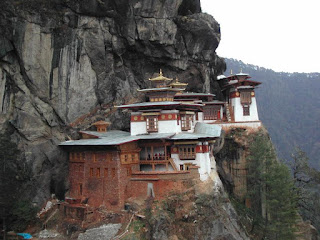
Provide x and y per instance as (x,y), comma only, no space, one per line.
(246,110)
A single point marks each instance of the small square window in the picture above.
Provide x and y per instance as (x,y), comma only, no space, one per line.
(129,171)
(152,123)
(246,110)
(186,122)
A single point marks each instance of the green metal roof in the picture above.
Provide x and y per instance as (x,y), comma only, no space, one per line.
(164,103)
(202,130)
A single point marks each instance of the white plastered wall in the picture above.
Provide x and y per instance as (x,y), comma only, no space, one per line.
(138,128)
(168,126)
(202,160)
(238,110)
(200,117)
(204,164)
(164,126)
(179,162)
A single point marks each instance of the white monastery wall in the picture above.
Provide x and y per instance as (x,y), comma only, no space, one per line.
(202,160)
(138,128)
(200,117)
(238,110)
(169,126)
(252,124)
(204,163)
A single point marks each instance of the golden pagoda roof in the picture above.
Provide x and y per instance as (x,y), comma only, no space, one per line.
(160,77)
(177,83)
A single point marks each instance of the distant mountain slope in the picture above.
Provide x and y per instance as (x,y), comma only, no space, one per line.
(289,106)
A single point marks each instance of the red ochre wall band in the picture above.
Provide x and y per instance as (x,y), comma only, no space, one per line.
(162,117)
(202,148)
(199,149)
(237,94)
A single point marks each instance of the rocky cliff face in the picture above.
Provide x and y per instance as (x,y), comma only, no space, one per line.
(65,63)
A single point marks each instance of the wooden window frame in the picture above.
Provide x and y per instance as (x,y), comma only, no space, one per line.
(91,172)
(211,113)
(245,97)
(98,174)
(152,123)
(129,171)
(187,152)
(186,121)
(246,110)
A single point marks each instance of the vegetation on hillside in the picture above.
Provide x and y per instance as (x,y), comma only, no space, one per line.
(186,216)
(307,181)
(15,210)
(271,191)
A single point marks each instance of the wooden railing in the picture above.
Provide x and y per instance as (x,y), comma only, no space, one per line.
(159,161)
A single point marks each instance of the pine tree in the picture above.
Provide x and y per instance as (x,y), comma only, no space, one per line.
(271,190)
(15,211)
(281,202)
(307,181)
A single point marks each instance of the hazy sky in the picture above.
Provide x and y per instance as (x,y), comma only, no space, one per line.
(282,35)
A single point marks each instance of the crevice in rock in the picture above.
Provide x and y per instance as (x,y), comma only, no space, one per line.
(188,7)
(18,131)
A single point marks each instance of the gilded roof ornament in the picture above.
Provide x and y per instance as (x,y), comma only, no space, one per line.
(176,83)
(160,77)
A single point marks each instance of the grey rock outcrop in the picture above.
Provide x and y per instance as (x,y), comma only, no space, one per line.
(104,232)
(63,64)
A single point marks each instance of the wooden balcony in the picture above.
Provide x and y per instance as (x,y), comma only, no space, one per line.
(163,161)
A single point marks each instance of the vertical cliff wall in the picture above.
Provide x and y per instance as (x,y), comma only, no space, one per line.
(63,63)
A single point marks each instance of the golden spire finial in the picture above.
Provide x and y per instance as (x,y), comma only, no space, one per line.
(160,77)
(177,80)
(231,72)
(240,70)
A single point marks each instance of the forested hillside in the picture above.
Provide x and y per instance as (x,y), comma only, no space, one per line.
(288,105)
